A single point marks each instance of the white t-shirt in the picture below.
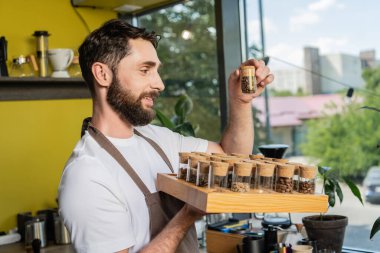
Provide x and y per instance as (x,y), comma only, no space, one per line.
(102,207)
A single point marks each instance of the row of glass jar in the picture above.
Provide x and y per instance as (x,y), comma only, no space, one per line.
(241,174)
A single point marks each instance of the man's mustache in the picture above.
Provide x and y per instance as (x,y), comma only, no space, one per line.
(152,94)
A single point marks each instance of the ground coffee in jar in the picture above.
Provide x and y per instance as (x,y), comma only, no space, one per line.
(284,181)
(307,179)
(183,165)
(192,170)
(241,177)
(203,173)
(248,79)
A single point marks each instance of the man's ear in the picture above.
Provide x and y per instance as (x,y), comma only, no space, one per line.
(102,74)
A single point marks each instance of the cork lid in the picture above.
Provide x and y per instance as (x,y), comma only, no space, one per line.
(253,162)
(296,167)
(184,157)
(240,155)
(285,170)
(267,159)
(216,158)
(308,171)
(266,169)
(247,67)
(219,168)
(255,157)
(204,166)
(218,154)
(242,169)
(194,159)
(231,160)
(280,160)
(201,153)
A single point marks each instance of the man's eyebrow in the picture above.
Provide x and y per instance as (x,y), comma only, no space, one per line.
(152,64)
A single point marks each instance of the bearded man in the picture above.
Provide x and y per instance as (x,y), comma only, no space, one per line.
(107,194)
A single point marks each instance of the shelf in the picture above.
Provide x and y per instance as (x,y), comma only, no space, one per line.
(211,201)
(36,88)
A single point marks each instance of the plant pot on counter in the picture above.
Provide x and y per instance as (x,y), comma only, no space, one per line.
(327,230)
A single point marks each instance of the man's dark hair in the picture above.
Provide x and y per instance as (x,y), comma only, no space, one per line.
(109,44)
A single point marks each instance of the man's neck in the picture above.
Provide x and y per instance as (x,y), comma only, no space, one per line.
(110,123)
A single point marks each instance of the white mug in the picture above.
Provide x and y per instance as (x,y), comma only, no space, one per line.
(60,59)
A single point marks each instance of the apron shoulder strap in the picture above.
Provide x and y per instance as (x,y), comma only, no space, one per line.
(115,153)
(157,148)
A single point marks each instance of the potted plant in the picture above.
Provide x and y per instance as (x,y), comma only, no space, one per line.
(328,230)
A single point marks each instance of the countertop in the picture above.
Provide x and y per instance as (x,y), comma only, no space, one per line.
(51,248)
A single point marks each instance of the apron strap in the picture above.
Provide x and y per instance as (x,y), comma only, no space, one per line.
(115,153)
(158,149)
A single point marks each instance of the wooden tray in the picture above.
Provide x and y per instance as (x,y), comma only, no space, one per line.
(211,201)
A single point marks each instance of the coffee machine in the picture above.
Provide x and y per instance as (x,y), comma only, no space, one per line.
(3,57)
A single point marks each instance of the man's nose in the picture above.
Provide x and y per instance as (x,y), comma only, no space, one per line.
(157,83)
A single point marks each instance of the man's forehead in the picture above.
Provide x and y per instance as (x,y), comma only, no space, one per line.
(143,52)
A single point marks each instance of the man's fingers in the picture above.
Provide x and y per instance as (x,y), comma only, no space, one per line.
(267,80)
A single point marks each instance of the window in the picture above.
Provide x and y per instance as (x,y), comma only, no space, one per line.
(318,50)
(187,50)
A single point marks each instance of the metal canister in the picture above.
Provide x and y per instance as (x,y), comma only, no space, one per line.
(61,233)
(35,229)
(42,47)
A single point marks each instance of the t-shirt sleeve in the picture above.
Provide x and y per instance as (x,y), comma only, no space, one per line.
(93,210)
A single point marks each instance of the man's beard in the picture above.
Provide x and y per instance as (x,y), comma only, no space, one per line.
(128,107)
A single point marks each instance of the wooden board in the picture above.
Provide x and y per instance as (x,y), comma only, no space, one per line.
(211,201)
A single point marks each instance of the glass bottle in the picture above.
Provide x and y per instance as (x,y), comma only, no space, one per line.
(191,176)
(248,79)
(241,177)
(307,179)
(230,160)
(284,178)
(296,175)
(265,181)
(183,165)
(203,173)
(218,175)
(21,67)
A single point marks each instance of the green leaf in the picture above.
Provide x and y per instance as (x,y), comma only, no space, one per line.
(375,228)
(183,107)
(338,191)
(370,108)
(185,129)
(165,121)
(330,192)
(355,190)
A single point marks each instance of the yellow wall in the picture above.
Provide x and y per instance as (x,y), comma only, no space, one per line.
(37,137)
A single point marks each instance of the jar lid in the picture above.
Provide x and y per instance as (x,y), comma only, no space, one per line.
(41,33)
(247,67)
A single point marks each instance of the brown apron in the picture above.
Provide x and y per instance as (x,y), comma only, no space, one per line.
(162,207)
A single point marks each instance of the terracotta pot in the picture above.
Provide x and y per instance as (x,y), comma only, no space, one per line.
(328,231)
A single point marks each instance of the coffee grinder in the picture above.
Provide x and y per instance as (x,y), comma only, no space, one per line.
(3,57)
(42,47)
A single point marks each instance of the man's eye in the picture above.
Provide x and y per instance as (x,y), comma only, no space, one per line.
(145,71)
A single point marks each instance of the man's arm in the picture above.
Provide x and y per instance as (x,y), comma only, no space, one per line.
(170,237)
(239,133)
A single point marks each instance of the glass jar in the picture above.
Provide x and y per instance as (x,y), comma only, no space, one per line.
(243,156)
(74,69)
(203,171)
(22,67)
(284,178)
(191,176)
(241,177)
(307,179)
(296,175)
(183,165)
(219,174)
(230,160)
(255,173)
(265,181)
